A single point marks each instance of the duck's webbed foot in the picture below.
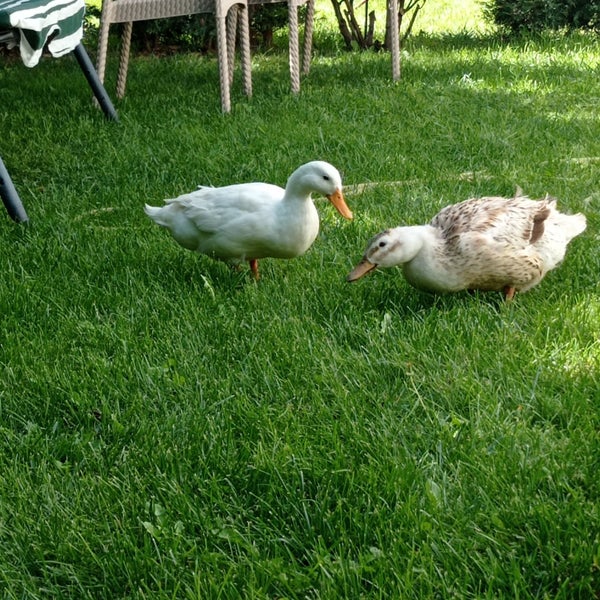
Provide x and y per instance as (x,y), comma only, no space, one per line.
(254,267)
(509,292)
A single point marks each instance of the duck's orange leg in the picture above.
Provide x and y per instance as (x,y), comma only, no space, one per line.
(254,267)
(509,293)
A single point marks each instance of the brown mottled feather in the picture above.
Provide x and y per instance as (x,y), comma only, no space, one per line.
(489,213)
(537,231)
(483,231)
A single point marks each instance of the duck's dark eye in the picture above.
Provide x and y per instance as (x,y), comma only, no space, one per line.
(326,177)
(382,244)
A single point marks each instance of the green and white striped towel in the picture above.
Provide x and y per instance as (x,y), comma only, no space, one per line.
(37,21)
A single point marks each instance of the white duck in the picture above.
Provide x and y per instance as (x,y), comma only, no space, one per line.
(249,221)
(488,243)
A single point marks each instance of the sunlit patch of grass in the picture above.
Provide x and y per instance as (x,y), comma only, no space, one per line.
(578,355)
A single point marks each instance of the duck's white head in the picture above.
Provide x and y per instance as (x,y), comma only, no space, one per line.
(389,248)
(322,178)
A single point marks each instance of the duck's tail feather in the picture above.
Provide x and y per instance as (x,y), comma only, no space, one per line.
(570,225)
(156,214)
(574,224)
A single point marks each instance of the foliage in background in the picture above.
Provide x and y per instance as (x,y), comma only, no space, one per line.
(363,36)
(197,32)
(356,23)
(189,33)
(537,15)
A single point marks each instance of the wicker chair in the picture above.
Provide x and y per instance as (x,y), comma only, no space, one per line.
(226,13)
(294,45)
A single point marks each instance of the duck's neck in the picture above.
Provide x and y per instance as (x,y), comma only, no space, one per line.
(424,270)
(297,210)
(415,240)
(297,221)
(296,191)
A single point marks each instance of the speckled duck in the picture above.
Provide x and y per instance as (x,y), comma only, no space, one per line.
(489,243)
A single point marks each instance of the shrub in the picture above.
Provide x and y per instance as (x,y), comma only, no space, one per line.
(198,32)
(537,15)
(363,37)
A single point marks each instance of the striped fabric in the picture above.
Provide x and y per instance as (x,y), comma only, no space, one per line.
(58,22)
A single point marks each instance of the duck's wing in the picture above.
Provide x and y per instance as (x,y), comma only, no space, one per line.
(490,242)
(493,270)
(516,221)
(243,205)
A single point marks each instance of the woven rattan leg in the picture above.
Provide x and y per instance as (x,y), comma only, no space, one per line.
(245,50)
(395,35)
(308,34)
(223,62)
(124,62)
(294,58)
(231,23)
(103,46)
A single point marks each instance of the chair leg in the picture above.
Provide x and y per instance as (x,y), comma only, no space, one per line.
(103,46)
(124,62)
(308,35)
(223,62)
(395,35)
(231,24)
(245,50)
(293,46)
(10,198)
(92,78)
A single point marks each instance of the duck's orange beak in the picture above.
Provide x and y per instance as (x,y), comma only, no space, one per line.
(362,268)
(337,199)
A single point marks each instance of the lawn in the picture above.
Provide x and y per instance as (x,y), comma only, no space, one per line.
(170,428)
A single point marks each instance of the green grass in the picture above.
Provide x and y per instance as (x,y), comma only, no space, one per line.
(170,429)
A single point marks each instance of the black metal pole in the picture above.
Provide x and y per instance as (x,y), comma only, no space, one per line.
(92,77)
(11,199)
